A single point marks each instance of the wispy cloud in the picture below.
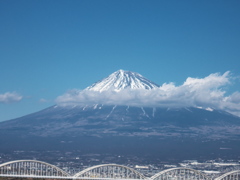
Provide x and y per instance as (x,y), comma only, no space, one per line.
(10,97)
(42,100)
(204,92)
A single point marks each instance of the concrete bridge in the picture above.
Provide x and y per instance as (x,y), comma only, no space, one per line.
(39,169)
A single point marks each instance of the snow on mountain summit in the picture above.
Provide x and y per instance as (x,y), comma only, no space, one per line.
(122,80)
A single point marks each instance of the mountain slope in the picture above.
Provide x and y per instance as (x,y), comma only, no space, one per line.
(101,121)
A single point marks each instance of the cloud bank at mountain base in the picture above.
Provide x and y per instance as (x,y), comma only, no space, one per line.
(194,92)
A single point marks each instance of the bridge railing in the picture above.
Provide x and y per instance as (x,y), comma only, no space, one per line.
(180,173)
(113,171)
(39,169)
(31,168)
(233,175)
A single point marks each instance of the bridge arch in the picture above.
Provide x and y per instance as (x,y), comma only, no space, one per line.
(232,175)
(180,173)
(30,168)
(110,171)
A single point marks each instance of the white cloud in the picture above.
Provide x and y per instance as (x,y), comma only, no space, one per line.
(10,97)
(203,92)
(232,103)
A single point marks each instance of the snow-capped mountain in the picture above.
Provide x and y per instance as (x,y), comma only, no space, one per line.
(135,126)
(122,80)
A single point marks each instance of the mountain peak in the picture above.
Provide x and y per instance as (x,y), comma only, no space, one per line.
(122,79)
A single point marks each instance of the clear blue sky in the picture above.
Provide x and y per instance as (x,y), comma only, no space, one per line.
(50,46)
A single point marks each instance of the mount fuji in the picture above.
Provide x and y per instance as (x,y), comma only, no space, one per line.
(120,124)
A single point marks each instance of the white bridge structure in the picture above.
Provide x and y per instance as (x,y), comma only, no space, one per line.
(43,170)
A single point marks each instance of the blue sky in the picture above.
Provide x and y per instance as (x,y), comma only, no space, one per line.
(50,47)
